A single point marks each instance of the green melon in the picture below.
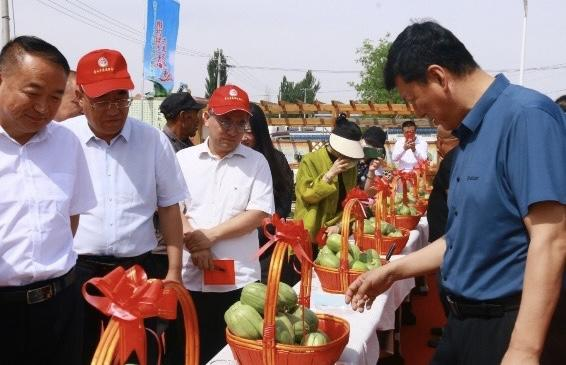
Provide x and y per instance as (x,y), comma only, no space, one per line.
(243,321)
(300,329)
(371,253)
(318,338)
(334,242)
(350,259)
(329,261)
(286,299)
(310,317)
(284,332)
(325,250)
(359,266)
(253,295)
(354,250)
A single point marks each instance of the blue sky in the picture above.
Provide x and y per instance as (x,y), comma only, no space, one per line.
(303,34)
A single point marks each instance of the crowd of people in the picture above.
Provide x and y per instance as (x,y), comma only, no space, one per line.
(101,190)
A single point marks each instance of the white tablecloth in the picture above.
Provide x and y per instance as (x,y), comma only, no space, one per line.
(363,346)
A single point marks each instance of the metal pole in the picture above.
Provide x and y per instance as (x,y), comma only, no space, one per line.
(218,69)
(5,12)
(523,45)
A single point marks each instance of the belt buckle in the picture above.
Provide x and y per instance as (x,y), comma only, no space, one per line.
(453,306)
(39,295)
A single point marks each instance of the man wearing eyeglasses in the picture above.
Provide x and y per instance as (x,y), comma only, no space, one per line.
(230,193)
(134,172)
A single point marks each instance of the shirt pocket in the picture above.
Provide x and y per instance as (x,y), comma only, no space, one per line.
(237,198)
(56,193)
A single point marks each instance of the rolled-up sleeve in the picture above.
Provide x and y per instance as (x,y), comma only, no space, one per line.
(535,155)
(261,192)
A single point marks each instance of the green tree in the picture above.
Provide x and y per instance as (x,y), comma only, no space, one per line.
(159,90)
(372,86)
(304,90)
(212,68)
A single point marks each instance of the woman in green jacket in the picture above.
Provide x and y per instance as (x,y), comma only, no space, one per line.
(325,176)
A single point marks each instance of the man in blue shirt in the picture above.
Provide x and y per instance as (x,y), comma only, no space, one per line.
(504,251)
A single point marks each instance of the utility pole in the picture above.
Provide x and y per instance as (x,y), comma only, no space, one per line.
(523,43)
(218,69)
(304,99)
(5,13)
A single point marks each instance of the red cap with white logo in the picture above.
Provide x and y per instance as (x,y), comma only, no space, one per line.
(102,71)
(229,98)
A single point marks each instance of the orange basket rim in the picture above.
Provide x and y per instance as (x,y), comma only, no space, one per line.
(258,344)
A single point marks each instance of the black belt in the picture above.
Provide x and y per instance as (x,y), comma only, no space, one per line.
(462,308)
(37,292)
(110,262)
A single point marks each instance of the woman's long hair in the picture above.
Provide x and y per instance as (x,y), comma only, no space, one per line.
(264,145)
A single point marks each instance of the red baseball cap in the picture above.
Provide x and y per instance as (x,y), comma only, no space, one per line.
(228,98)
(102,71)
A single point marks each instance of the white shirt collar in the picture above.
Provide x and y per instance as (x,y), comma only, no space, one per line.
(204,149)
(88,134)
(41,135)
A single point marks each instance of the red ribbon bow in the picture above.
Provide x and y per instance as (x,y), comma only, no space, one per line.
(422,165)
(405,176)
(292,232)
(380,184)
(129,297)
(356,193)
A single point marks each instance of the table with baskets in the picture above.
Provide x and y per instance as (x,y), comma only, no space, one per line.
(363,346)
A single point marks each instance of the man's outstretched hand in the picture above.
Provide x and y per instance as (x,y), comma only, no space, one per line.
(363,291)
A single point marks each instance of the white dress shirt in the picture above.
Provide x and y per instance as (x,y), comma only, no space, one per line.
(407,159)
(132,176)
(220,189)
(44,182)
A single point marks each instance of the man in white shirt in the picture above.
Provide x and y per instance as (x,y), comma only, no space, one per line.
(409,149)
(45,186)
(134,172)
(230,193)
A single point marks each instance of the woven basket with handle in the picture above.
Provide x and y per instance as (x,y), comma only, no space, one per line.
(266,351)
(130,297)
(338,280)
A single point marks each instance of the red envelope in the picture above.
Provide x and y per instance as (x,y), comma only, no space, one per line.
(223,273)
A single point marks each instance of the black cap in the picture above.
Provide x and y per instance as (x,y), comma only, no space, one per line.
(375,136)
(176,103)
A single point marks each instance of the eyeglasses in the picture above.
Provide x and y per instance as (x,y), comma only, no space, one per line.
(227,125)
(107,105)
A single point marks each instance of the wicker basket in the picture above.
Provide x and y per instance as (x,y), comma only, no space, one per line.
(338,280)
(408,222)
(378,241)
(267,351)
(109,347)
(368,241)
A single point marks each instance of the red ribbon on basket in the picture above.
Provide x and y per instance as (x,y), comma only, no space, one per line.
(361,196)
(356,193)
(129,297)
(292,232)
(406,176)
(380,184)
(422,165)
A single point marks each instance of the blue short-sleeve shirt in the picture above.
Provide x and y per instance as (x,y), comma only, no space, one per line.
(511,155)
